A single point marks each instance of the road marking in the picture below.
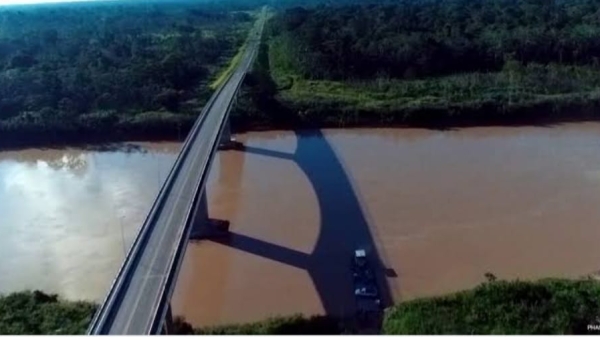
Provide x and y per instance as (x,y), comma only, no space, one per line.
(162,237)
(204,147)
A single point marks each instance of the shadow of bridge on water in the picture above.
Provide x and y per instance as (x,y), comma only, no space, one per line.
(343,228)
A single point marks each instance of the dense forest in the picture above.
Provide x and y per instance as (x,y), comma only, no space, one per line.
(430,38)
(141,70)
(432,63)
(104,69)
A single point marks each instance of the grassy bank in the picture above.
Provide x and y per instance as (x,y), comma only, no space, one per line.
(99,127)
(436,64)
(455,101)
(516,95)
(293,325)
(544,307)
(225,73)
(550,306)
(36,313)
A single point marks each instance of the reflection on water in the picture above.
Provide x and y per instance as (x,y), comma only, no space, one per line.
(68,215)
(440,208)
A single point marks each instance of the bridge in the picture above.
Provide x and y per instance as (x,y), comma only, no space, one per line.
(138,301)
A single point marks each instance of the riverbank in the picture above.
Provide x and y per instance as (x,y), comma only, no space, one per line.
(542,179)
(308,106)
(424,67)
(96,129)
(534,94)
(274,100)
(501,74)
(550,306)
(264,114)
(62,84)
(38,313)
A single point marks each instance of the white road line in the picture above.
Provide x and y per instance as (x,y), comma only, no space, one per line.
(170,218)
(188,166)
(164,233)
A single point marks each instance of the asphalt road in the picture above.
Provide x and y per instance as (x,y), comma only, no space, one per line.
(133,308)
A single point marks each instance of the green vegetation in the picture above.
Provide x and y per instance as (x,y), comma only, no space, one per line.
(316,325)
(110,71)
(223,75)
(36,313)
(95,72)
(543,307)
(415,39)
(550,306)
(433,63)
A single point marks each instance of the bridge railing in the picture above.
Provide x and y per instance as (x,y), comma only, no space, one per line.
(119,285)
(168,285)
(106,310)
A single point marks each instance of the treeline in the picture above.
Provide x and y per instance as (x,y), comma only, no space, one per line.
(79,69)
(428,63)
(411,39)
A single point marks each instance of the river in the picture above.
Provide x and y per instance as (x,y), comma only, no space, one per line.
(438,208)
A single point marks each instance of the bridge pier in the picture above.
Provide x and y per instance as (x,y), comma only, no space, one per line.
(204,227)
(227,141)
(167,327)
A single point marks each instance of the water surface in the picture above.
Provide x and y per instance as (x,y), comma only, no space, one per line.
(67,216)
(439,209)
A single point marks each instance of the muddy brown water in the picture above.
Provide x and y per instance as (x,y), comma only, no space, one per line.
(439,209)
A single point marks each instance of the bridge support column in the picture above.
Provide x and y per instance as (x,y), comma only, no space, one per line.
(204,227)
(226,135)
(167,327)
(227,141)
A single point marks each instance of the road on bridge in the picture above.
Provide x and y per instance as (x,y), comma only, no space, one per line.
(138,299)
